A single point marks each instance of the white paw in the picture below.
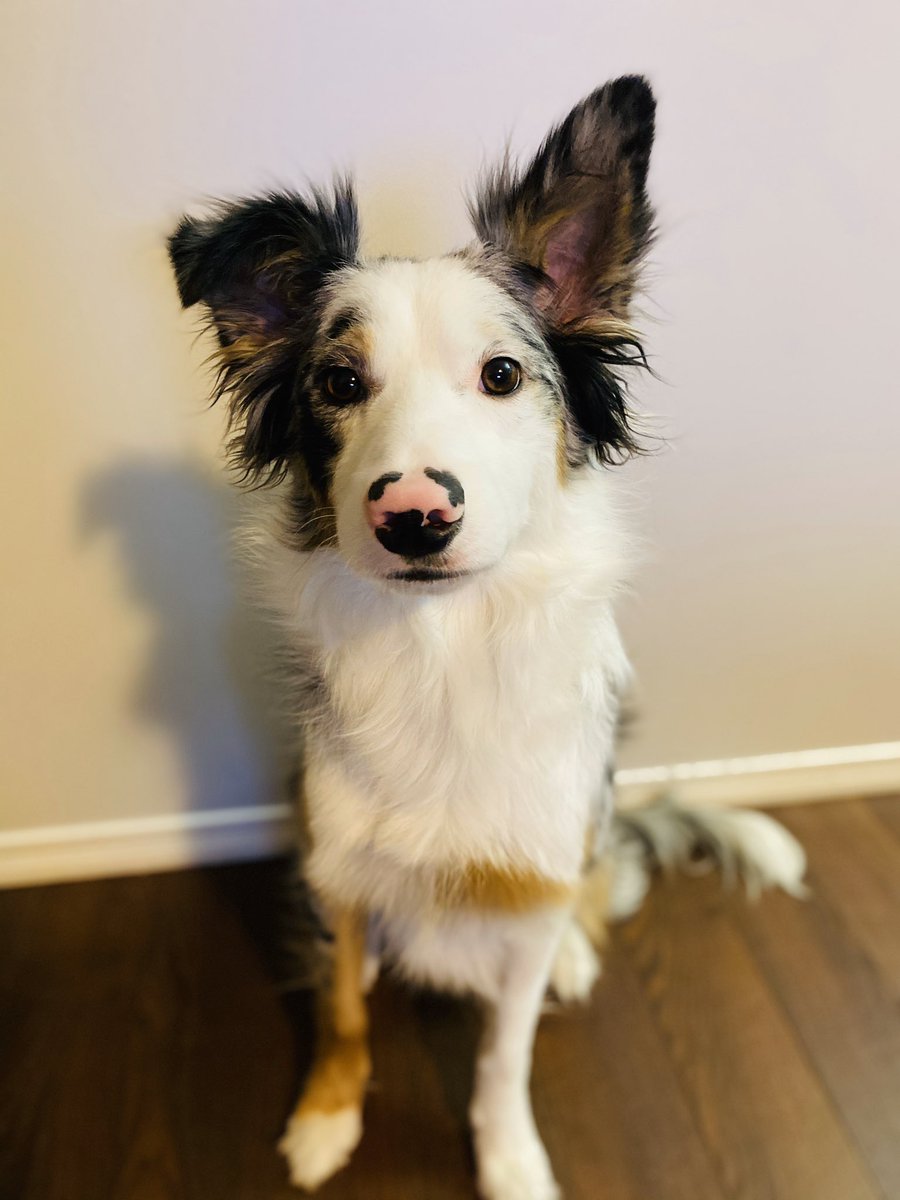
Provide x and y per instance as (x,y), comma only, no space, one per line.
(520,1171)
(318,1144)
(576,966)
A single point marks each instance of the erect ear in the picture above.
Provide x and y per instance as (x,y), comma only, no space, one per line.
(576,222)
(578,215)
(256,265)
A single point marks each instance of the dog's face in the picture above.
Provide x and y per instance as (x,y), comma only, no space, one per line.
(427,412)
(440,402)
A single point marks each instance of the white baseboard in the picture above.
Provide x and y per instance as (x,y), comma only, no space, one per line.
(770,779)
(140,845)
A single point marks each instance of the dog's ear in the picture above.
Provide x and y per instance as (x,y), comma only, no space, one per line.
(257,265)
(578,214)
(576,223)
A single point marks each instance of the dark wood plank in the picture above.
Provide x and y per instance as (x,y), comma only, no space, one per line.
(71,1068)
(758,1102)
(415,1143)
(609,1103)
(887,810)
(145,1004)
(855,868)
(842,1013)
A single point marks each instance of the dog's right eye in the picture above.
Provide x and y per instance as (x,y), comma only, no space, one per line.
(501,376)
(343,385)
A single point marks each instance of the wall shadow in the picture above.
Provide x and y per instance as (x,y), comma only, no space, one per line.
(206,679)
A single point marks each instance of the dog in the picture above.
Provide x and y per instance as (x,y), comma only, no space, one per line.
(443,550)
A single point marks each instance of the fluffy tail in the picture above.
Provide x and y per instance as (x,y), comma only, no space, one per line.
(747,847)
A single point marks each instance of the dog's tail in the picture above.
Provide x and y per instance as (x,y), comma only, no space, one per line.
(747,847)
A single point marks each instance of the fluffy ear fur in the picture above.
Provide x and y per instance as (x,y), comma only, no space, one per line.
(579,212)
(577,222)
(257,265)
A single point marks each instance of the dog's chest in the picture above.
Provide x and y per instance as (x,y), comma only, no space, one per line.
(454,739)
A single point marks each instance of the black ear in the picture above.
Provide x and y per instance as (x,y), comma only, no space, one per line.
(577,223)
(257,265)
(578,213)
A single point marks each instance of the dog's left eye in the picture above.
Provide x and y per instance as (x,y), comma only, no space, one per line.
(501,376)
(343,385)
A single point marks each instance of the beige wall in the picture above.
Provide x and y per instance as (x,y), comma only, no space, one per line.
(767,611)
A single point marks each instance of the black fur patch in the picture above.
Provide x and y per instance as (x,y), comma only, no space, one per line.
(447,480)
(343,322)
(259,266)
(596,394)
(377,490)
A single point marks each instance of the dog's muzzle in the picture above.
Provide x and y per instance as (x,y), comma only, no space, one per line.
(417,514)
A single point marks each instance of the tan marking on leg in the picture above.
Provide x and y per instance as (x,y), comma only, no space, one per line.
(342,1065)
(501,889)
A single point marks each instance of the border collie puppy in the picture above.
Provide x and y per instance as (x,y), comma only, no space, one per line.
(443,554)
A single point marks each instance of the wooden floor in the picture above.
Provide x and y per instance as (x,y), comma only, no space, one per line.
(734,1051)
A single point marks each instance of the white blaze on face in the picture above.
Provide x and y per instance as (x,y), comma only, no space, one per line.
(429,329)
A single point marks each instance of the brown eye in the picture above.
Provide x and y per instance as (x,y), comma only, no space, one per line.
(343,385)
(501,376)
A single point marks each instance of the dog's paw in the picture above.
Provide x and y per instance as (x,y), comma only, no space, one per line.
(517,1172)
(317,1145)
(576,966)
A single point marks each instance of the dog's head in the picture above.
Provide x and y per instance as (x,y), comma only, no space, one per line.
(428,412)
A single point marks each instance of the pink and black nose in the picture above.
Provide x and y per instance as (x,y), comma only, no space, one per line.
(416,514)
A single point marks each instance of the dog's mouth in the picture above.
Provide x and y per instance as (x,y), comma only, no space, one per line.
(427,575)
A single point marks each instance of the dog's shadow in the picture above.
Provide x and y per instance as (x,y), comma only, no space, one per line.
(203,678)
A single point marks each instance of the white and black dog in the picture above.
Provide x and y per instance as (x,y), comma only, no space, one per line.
(443,554)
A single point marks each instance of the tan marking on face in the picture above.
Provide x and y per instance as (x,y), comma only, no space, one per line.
(562,457)
(354,347)
(607,326)
(342,1064)
(498,889)
(592,902)
(242,347)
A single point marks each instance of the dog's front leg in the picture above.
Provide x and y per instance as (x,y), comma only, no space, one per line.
(511,1160)
(327,1122)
